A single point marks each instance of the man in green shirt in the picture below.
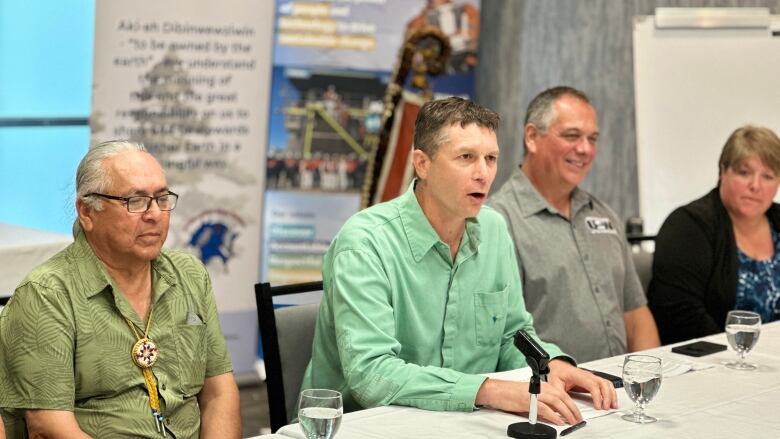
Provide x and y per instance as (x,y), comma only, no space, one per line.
(422,293)
(114,337)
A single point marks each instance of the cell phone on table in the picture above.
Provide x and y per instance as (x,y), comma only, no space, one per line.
(699,348)
(614,379)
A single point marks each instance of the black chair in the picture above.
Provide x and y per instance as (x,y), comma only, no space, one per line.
(4,300)
(643,260)
(286,334)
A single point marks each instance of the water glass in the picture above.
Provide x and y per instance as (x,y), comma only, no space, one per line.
(742,331)
(641,379)
(319,413)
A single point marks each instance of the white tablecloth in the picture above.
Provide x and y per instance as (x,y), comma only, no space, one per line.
(716,402)
(21,250)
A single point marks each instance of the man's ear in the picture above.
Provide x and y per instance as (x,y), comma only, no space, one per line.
(421,163)
(84,213)
(530,135)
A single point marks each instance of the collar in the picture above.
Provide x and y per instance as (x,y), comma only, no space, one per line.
(419,232)
(532,202)
(95,279)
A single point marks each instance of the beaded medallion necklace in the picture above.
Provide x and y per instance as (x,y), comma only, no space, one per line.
(144,354)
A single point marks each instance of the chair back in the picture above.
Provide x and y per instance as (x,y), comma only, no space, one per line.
(286,334)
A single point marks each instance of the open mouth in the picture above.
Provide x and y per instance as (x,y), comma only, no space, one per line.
(477,196)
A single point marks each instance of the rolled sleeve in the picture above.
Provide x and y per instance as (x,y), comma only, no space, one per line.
(36,345)
(218,360)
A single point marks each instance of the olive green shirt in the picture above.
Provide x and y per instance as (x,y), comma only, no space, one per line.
(402,323)
(65,345)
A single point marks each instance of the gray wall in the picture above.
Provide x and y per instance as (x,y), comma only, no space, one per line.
(529,45)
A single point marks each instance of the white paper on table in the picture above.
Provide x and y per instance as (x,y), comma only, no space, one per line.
(671,365)
(583,401)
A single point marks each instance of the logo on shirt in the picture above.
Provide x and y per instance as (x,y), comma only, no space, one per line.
(600,225)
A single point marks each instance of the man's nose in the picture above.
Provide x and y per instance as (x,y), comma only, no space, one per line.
(153,211)
(583,146)
(481,169)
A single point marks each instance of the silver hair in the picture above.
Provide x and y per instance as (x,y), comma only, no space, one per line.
(541,111)
(91,176)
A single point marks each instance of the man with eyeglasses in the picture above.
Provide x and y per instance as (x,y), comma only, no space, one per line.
(114,336)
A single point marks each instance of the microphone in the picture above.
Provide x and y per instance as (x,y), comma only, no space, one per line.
(538,359)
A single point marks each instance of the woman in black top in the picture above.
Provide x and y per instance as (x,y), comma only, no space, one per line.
(722,251)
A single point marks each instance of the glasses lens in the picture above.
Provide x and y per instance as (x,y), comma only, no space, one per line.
(137,204)
(166,202)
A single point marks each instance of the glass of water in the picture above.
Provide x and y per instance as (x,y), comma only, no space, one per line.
(319,413)
(742,331)
(641,379)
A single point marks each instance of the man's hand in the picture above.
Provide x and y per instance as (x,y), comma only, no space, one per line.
(566,377)
(555,405)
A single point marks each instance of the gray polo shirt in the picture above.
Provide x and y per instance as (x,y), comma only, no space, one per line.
(578,276)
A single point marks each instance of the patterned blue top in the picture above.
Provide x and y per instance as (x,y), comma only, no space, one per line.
(758,283)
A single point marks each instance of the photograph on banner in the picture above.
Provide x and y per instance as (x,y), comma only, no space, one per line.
(333,63)
(320,121)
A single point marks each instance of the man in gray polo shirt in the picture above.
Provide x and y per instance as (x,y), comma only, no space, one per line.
(578,277)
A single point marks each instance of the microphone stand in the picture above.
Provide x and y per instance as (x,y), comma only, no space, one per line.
(538,360)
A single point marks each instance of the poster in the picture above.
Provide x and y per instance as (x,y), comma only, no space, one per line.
(190,81)
(333,62)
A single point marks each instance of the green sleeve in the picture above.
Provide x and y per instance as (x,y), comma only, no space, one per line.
(218,357)
(36,345)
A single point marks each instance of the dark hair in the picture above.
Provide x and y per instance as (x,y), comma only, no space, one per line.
(747,141)
(442,113)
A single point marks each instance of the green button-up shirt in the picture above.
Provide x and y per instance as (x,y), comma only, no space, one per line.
(65,345)
(401,323)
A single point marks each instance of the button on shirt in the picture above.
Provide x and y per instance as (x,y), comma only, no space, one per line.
(65,345)
(578,275)
(401,323)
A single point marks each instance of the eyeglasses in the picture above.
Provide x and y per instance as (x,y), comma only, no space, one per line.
(142,203)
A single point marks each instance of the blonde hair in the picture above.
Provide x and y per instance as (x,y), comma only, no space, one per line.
(747,141)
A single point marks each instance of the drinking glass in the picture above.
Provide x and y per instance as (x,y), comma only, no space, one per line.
(319,413)
(742,331)
(641,379)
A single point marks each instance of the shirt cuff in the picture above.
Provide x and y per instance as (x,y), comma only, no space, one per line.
(567,359)
(465,393)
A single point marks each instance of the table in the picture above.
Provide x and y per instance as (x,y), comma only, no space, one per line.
(716,402)
(21,250)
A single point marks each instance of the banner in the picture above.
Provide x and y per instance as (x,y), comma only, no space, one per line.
(189,79)
(333,62)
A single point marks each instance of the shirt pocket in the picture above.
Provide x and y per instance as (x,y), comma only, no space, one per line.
(191,347)
(490,317)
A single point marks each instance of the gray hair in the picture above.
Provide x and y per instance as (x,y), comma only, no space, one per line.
(541,111)
(91,176)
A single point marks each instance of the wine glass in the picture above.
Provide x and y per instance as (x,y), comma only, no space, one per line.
(742,331)
(319,413)
(642,379)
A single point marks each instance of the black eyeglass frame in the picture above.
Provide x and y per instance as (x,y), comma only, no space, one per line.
(126,200)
